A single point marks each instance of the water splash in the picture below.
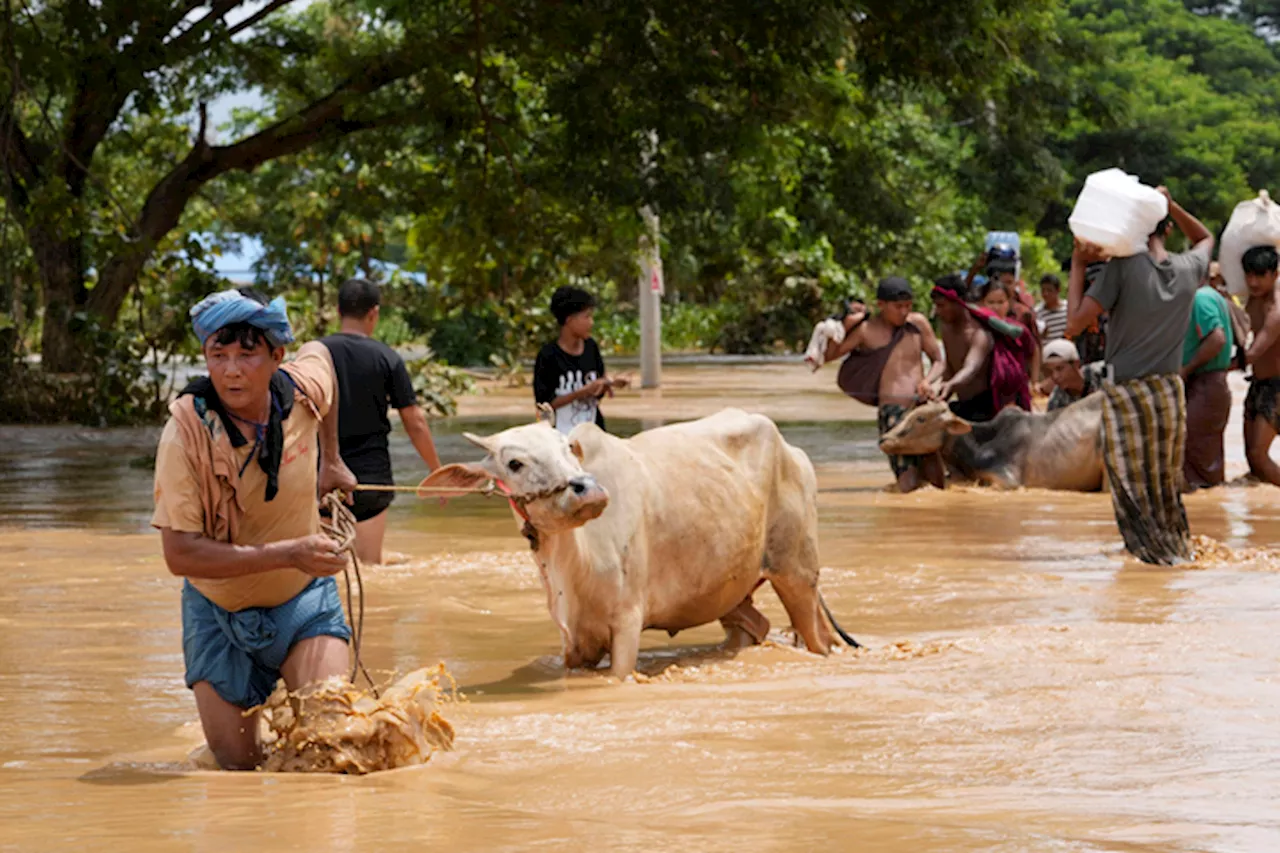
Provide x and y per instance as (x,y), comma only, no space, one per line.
(333,727)
(1208,552)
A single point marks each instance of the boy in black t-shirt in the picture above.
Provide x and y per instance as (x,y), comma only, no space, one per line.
(569,374)
(371,375)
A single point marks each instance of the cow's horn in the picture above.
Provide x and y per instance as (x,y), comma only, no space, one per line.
(480,441)
(547,415)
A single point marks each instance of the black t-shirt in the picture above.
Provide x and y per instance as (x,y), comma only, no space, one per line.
(370,376)
(557,373)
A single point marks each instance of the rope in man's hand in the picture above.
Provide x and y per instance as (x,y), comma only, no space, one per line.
(341,528)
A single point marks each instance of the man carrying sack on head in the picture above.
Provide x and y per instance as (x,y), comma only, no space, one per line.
(235,495)
(1148,298)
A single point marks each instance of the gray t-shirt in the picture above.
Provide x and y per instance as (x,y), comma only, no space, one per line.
(1149,307)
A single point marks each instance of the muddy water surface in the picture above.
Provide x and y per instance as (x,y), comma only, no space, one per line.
(1025,688)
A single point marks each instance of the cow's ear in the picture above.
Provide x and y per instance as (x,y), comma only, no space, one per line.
(453,480)
(958,426)
(575,447)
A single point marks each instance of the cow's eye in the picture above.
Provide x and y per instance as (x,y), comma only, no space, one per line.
(514,466)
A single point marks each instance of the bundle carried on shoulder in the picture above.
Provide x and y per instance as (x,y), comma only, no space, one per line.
(1012,346)
(1117,212)
(1255,222)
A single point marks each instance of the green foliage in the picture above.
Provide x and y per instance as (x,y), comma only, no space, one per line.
(796,153)
(438,385)
(119,388)
(1038,260)
(686,327)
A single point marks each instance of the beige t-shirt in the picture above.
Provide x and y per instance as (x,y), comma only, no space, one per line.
(293,512)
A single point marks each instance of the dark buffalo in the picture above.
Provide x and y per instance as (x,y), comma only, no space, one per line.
(1056,450)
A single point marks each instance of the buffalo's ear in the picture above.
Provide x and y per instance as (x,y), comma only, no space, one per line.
(452,480)
(957,425)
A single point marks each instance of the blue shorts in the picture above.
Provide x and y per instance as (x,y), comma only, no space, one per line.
(240,654)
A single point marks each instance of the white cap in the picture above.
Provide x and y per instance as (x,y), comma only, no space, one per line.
(1061,350)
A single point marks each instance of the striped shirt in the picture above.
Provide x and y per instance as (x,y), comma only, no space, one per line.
(1053,324)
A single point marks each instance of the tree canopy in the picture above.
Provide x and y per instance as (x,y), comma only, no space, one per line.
(795,150)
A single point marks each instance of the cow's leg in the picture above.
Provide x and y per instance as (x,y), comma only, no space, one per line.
(799,596)
(934,471)
(625,650)
(744,625)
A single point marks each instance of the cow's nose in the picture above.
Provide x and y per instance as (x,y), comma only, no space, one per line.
(579,486)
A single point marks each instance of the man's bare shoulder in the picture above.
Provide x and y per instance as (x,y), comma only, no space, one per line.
(975,331)
(920,321)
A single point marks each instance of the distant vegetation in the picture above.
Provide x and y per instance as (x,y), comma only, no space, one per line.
(795,151)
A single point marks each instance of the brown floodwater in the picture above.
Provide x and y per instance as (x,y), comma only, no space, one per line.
(1025,688)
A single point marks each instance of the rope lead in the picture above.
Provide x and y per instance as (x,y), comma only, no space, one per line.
(341,528)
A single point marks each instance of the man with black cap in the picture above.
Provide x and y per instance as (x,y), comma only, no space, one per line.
(883,368)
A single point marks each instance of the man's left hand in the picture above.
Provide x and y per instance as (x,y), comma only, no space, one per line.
(1090,252)
(334,474)
(925,391)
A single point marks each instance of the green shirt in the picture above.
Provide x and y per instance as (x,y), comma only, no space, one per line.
(1209,312)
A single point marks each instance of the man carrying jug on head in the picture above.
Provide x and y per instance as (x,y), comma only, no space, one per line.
(1148,297)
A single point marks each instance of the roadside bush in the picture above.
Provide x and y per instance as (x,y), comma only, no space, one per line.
(438,385)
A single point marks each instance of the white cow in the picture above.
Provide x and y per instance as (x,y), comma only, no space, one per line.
(671,529)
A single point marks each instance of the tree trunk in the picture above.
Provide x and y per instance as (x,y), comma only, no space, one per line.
(62,274)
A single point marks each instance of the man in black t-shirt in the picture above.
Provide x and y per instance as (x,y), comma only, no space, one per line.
(569,374)
(371,375)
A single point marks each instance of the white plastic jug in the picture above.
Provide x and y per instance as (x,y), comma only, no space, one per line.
(1255,222)
(1117,212)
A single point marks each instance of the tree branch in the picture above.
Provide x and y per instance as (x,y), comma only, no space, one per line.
(191,41)
(97,101)
(177,46)
(21,165)
(256,17)
(321,121)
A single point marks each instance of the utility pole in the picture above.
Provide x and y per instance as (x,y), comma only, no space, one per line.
(651,288)
(650,283)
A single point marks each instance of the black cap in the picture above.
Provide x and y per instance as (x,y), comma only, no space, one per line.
(894,289)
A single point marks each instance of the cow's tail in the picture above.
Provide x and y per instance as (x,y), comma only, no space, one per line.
(844,635)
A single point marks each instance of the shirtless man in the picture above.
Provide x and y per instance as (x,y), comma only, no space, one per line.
(968,347)
(883,368)
(1262,405)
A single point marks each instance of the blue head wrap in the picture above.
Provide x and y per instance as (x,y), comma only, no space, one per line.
(221,309)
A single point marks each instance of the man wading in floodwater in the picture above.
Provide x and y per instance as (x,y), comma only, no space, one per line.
(884,369)
(235,495)
(1144,414)
(371,376)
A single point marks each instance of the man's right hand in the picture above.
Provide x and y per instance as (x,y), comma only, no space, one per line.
(596,388)
(317,555)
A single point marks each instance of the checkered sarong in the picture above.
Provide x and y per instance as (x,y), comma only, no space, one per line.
(1144,432)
